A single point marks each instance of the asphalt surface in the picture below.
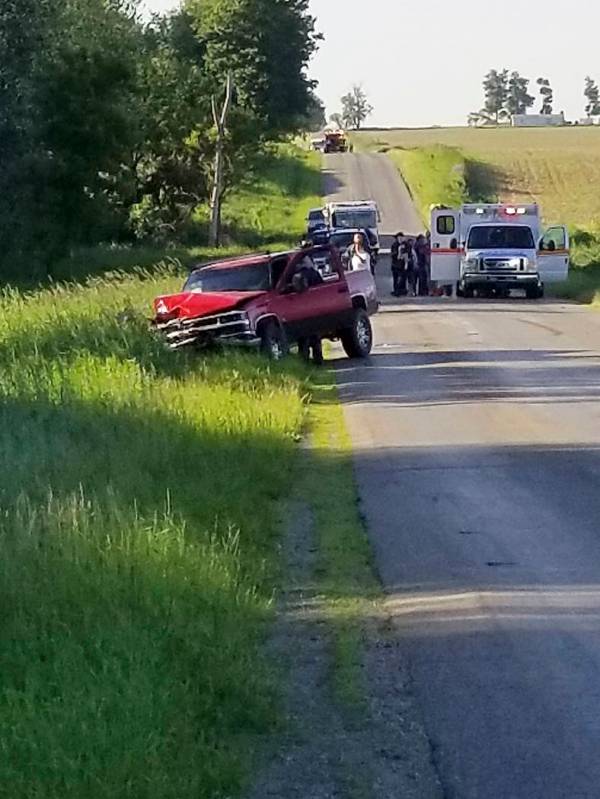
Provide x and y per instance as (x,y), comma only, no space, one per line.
(476,432)
(367,176)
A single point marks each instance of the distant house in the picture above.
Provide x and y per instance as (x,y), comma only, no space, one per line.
(538,120)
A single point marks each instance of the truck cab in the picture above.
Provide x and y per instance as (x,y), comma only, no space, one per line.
(494,248)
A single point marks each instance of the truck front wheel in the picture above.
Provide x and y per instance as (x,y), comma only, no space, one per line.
(273,342)
(534,292)
(357,340)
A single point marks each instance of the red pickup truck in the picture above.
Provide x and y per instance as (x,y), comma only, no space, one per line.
(267,300)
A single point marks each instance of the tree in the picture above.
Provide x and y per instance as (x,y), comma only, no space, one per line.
(315,119)
(336,120)
(518,99)
(220,120)
(547,95)
(495,87)
(592,95)
(266,46)
(355,108)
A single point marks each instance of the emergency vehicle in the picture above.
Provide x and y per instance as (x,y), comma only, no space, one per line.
(493,248)
(335,141)
(358,214)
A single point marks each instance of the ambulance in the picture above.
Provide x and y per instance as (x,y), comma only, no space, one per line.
(494,248)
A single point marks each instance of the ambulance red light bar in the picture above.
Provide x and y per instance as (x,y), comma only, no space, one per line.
(511,210)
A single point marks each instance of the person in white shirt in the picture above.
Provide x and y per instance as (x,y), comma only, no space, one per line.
(357,255)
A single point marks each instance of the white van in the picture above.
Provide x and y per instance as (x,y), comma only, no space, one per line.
(495,248)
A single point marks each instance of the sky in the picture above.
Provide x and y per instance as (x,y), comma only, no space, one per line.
(422,62)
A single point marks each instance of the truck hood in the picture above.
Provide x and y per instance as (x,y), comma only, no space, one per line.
(501,254)
(190,305)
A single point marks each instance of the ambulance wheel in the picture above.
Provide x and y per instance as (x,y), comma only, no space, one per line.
(534,292)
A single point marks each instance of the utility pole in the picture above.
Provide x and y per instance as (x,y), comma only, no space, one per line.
(220,121)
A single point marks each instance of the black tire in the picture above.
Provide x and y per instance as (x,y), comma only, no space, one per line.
(468,292)
(273,342)
(357,340)
(534,292)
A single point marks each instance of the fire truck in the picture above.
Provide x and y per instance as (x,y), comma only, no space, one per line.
(336,142)
(494,248)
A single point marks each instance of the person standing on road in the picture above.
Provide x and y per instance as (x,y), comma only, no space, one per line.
(398,266)
(357,256)
(408,252)
(422,264)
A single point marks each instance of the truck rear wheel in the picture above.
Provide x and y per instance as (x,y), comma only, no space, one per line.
(357,340)
(273,342)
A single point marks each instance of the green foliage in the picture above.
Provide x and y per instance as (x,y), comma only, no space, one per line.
(592,95)
(267,47)
(435,175)
(495,88)
(546,94)
(355,108)
(106,129)
(136,547)
(518,99)
(273,208)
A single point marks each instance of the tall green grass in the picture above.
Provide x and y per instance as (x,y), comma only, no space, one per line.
(272,209)
(434,176)
(137,547)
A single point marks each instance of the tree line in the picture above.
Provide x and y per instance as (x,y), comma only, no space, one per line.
(506,94)
(107,125)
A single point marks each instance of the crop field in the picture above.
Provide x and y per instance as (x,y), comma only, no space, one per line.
(559,168)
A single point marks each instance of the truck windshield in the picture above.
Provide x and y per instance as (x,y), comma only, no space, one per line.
(255,277)
(355,218)
(503,237)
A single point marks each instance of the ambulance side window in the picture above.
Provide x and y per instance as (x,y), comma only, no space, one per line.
(446,225)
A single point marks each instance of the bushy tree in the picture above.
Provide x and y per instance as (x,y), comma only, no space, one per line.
(495,87)
(592,95)
(518,99)
(356,108)
(547,96)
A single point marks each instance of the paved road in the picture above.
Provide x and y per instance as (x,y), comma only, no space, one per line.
(476,427)
(357,176)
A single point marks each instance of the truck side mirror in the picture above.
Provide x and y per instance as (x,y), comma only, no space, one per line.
(453,244)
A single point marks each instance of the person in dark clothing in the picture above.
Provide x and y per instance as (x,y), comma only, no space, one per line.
(422,264)
(408,251)
(398,267)
(306,273)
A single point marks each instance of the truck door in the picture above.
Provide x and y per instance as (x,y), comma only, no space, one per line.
(553,255)
(319,309)
(445,246)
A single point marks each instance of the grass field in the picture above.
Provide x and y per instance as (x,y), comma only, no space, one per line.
(138,541)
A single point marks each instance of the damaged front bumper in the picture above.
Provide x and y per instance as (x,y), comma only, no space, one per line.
(232,327)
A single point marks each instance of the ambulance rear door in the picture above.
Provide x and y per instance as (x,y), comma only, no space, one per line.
(445,246)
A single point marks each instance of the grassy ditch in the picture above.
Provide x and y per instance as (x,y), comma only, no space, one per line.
(137,534)
(138,527)
(346,580)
